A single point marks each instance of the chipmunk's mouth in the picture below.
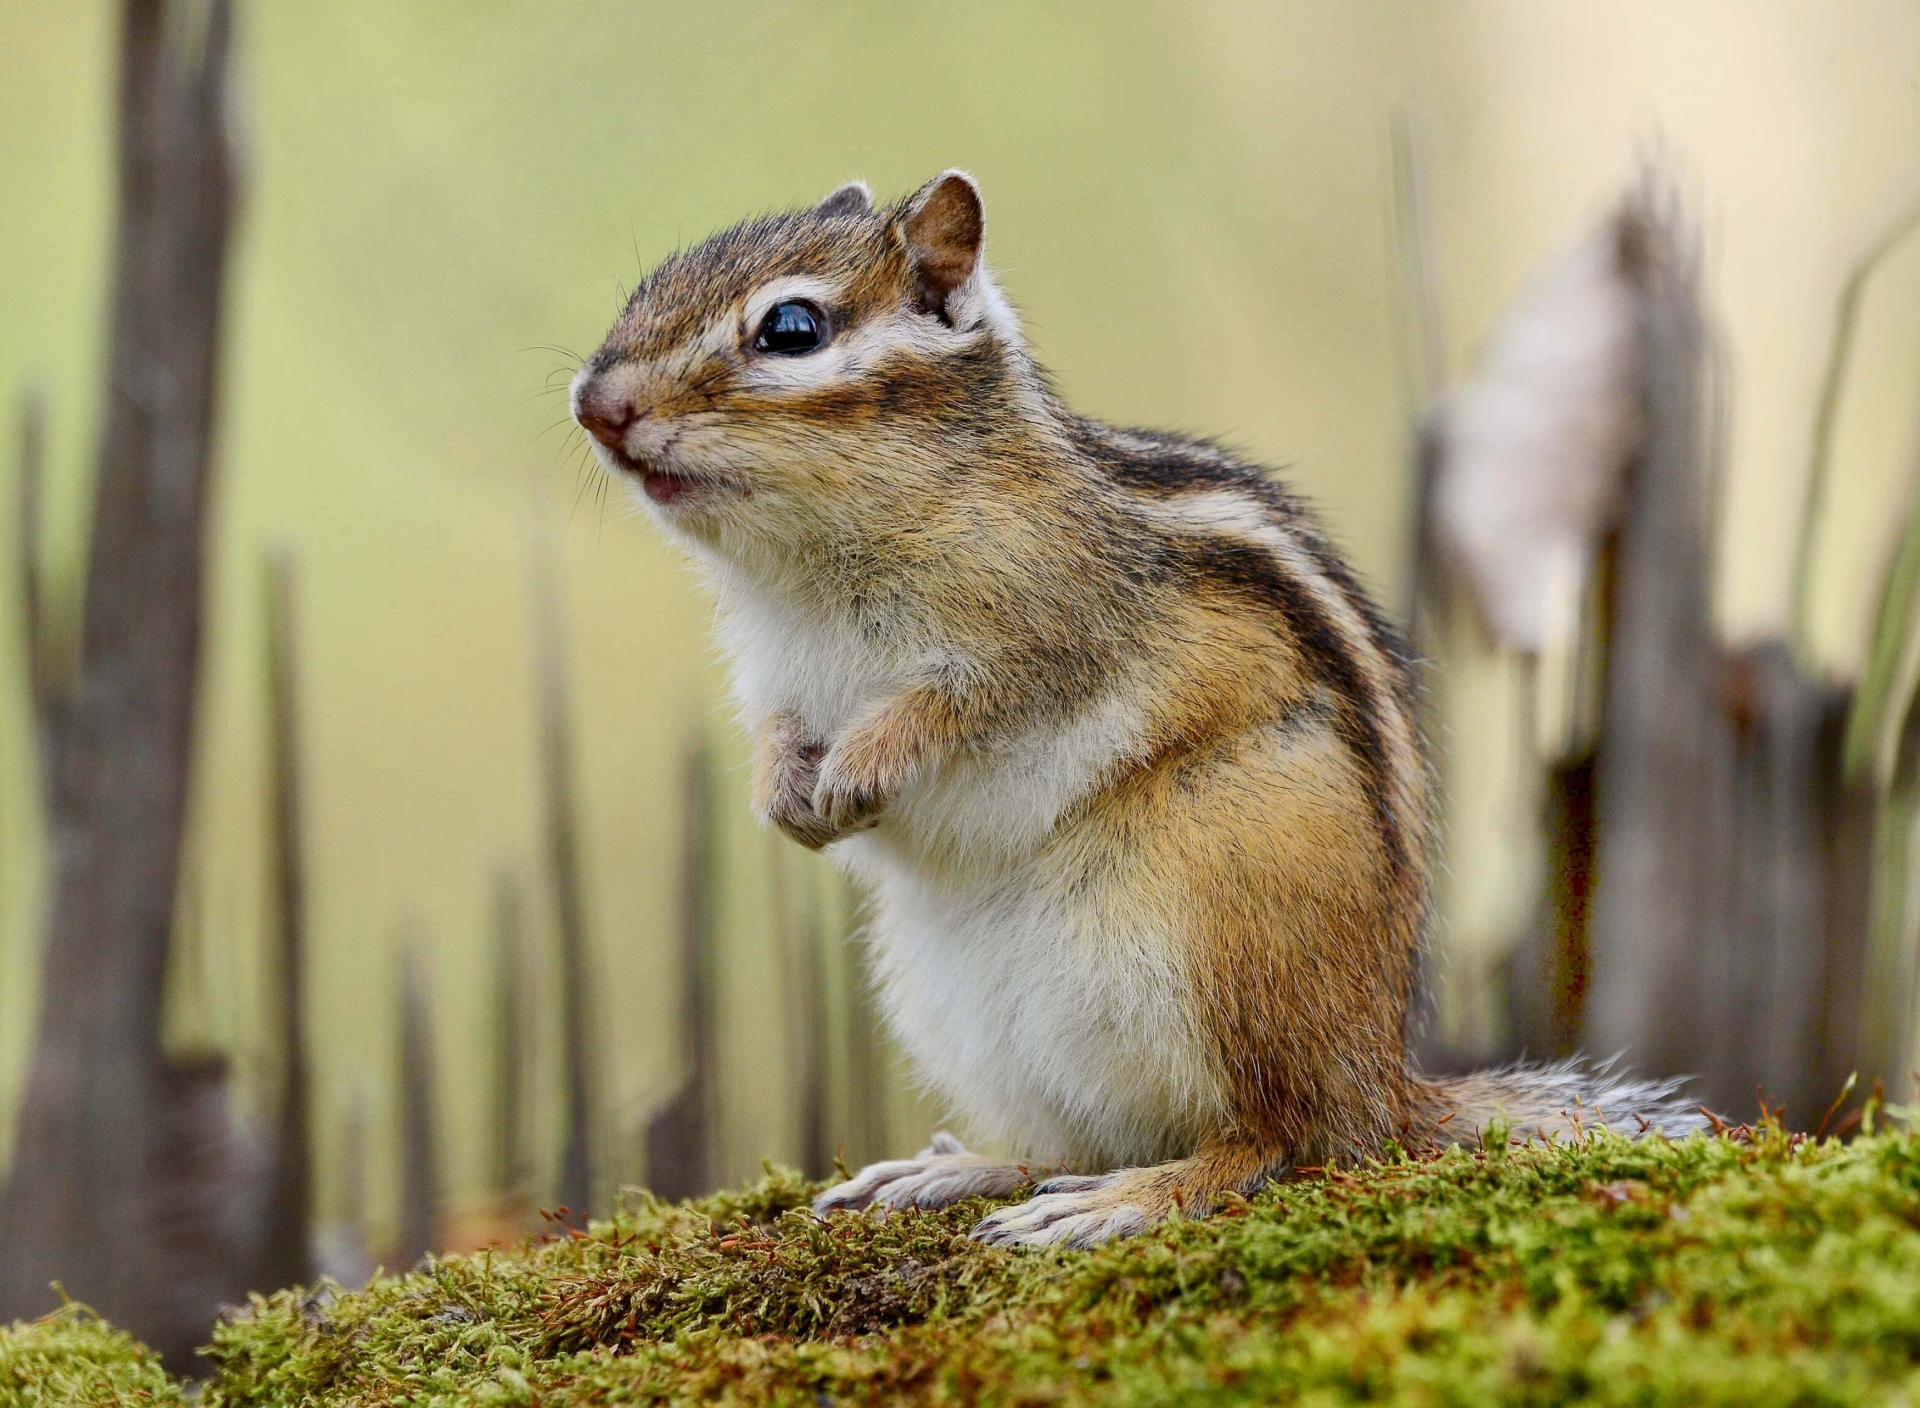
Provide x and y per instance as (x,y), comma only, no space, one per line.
(673,487)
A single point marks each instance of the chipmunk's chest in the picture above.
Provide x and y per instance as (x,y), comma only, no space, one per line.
(826,667)
(997,796)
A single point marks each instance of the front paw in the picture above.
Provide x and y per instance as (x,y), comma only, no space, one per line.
(858,780)
(789,770)
(797,818)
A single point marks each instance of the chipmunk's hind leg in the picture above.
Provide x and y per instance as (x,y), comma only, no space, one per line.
(938,1176)
(1086,1211)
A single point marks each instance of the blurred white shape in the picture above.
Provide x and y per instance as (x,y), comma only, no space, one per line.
(1531,456)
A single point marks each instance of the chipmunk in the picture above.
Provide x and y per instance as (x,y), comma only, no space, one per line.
(1122,750)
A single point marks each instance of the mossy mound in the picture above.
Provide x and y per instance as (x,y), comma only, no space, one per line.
(1760,1268)
(72,1357)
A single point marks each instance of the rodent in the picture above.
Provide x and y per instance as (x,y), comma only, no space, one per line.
(1125,754)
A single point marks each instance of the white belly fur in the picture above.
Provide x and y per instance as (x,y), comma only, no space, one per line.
(1055,1021)
(1050,1012)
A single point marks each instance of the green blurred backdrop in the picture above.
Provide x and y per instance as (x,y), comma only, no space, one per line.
(1193,207)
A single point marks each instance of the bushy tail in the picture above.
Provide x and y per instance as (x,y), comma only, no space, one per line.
(1560,1099)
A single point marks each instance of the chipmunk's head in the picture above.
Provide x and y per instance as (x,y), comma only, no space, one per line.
(802,369)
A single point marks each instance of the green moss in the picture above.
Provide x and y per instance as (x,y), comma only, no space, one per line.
(1759,1269)
(71,1357)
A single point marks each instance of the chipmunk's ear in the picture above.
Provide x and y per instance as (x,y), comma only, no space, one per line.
(943,224)
(851,199)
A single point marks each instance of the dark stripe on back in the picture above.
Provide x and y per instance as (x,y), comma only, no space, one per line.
(1162,465)
(1165,465)
(1250,572)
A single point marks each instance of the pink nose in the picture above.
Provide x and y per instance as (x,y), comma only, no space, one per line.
(603,414)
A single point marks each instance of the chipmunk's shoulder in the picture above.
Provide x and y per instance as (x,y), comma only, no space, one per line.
(1164,464)
(1231,504)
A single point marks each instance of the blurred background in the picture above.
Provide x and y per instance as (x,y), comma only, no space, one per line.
(1593,330)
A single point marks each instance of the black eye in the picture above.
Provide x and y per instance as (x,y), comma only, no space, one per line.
(792,328)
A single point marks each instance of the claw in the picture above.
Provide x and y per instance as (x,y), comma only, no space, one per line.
(1072,1211)
(938,1176)
(1074,1183)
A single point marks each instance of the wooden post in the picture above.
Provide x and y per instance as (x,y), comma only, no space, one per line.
(1728,922)
(1659,731)
(114,1154)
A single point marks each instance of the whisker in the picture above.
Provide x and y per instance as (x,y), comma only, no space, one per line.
(557,350)
(564,420)
(581,458)
(580,482)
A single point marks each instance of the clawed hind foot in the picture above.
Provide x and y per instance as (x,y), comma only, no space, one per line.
(1086,1211)
(1073,1211)
(1066,1209)
(938,1176)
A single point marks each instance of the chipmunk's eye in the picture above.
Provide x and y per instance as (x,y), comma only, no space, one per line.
(792,328)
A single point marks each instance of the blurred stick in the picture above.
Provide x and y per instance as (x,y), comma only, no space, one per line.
(32,472)
(680,1132)
(511,1036)
(564,870)
(1424,603)
(1893,659)
(47,700)
(1882,752)
(871,1127)
(1893,957)
(1423,363)
(419,1116)
(346,1258)
(285,1252)
(1826,417)
(815,1090)
(798,923)
(117,1146)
